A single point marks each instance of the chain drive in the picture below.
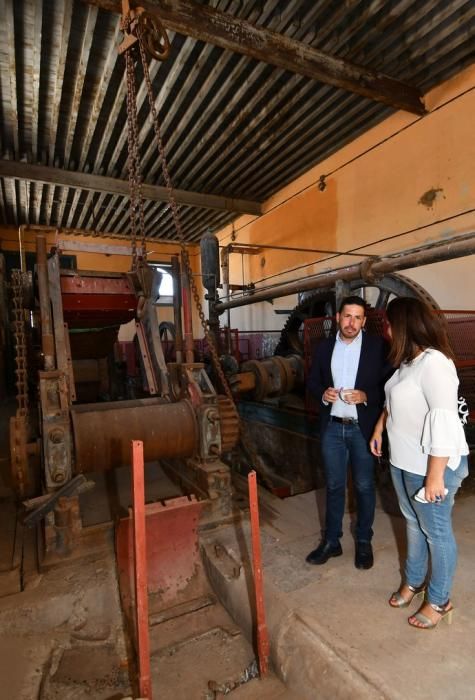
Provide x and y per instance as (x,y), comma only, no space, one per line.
(19,422)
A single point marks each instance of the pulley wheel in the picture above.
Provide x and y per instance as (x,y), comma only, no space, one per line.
(154,36)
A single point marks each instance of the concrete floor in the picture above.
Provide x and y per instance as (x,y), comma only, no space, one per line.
(333,634)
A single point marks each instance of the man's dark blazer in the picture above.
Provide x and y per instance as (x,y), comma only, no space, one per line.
(373,372)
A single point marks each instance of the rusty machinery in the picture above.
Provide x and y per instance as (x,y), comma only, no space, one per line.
(183,418)
(321,294)
(180,416)
(287,462)
(183,393)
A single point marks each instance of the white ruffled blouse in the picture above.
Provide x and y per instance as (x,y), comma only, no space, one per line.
(421,401)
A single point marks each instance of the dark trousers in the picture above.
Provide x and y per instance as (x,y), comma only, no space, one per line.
(343,443)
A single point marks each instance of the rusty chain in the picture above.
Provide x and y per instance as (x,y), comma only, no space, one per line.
(21,366)
(134,174)
(177,223)
(19,422)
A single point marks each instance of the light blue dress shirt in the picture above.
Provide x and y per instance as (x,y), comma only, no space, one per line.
(344,366)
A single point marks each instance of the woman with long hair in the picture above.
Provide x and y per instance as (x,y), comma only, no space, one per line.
(428,454)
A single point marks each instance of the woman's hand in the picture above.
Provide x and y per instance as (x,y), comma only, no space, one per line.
(376,444)
(434,489)
(434,483)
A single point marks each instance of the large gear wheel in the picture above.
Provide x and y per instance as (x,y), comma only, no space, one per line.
(322,302)
(229,420)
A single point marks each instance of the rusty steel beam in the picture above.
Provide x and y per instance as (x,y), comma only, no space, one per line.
(368,269)
(102,432)
(221,29)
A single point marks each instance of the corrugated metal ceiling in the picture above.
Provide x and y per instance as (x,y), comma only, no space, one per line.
(232,126)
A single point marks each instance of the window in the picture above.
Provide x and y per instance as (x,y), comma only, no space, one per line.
(166,286)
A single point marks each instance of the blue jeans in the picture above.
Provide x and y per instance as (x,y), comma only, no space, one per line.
(342,444)
(429,532)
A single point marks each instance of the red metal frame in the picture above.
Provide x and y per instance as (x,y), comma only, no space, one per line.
(97,301)
(140,569)
(262,635)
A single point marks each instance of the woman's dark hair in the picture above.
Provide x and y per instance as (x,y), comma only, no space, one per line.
(415,327)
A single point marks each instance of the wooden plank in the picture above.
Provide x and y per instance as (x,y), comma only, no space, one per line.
(110,185)
(221,29)
(9,32)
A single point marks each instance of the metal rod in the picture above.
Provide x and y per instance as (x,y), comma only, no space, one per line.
(262,635)
(177,303)
(21,249)
(225,274)
(47,338)
(369,268)
(187,316)
(257,246)
(140,569)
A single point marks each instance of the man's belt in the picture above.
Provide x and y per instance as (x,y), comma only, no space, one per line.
(345,421)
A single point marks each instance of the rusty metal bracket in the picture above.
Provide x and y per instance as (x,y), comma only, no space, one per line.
(128,26)
(366,267)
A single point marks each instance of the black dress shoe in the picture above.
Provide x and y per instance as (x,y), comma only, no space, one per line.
(364,555)
(323,552)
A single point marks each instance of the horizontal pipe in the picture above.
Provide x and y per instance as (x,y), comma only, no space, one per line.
(424,255)
(235,248)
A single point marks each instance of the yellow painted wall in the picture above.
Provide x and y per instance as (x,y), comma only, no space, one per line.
(377,187)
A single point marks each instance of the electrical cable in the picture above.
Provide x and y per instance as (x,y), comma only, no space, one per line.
(367,245)
(352,160)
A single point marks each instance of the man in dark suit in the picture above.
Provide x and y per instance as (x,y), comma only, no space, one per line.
(347,379)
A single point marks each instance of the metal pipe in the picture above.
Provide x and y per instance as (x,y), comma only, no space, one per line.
(225,271)
(47,338)
(187,316)
(235,248)
(368,269)
(176,275)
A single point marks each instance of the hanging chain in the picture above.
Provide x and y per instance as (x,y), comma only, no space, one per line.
(135,177)
(21,366)
(177,223)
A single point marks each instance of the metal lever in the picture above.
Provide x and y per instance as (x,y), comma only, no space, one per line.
(44,504)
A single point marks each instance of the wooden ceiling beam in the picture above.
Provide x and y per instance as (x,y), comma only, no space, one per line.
(207,24)
(99,183)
